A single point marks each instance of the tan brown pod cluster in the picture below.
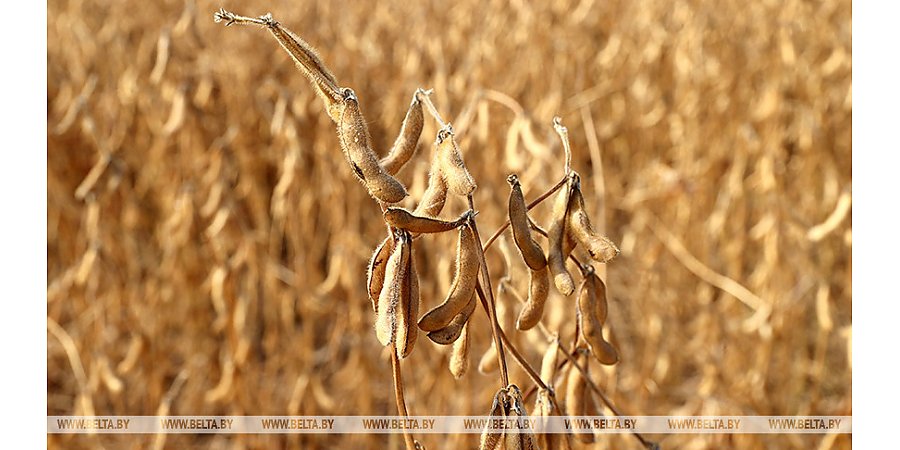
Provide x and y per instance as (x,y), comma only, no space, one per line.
(451,165)
(531,252)
(558,251)
(592,313)
(508,405)
(405,145)
(462,289)
(598,246)
(357,145)
(394,291)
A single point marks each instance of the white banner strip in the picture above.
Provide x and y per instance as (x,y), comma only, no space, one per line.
(446,424)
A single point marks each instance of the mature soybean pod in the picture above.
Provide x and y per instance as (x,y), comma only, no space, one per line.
(377,266)
(459,355)
(450,333)
(596,290)
(602,350)
(462,289)
(576,394)
(591,327)
(538,289)
(599,247)
(458,179)
(389,298)
(408,311)
(309,62)
(556,236)
(544,407)
(518,439)
(405,145)
(548,363)
(357,145)
(405,220)
(435,195)
(532,253)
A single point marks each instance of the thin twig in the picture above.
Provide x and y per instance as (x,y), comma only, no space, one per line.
(599,393)
(425,97)
(702,271)
(301,52)
(506,101)
(563,133)
(491,307)
(398,392)
(512,348)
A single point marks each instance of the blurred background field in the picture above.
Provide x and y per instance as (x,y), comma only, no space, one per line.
(207,243)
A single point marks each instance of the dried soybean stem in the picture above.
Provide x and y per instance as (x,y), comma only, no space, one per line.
(702,271)
(398,392)
(425,98)
(563,133)
(531,206)
(603,397)
(505,100)
(231,18)
(301,52)
(513,350)
(491,307)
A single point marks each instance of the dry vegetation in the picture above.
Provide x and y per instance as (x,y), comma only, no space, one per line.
(207,243)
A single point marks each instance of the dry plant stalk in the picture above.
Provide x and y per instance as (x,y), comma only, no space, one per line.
(392,278)
(489,362)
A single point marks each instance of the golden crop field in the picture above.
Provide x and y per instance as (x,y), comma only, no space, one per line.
(208,243)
